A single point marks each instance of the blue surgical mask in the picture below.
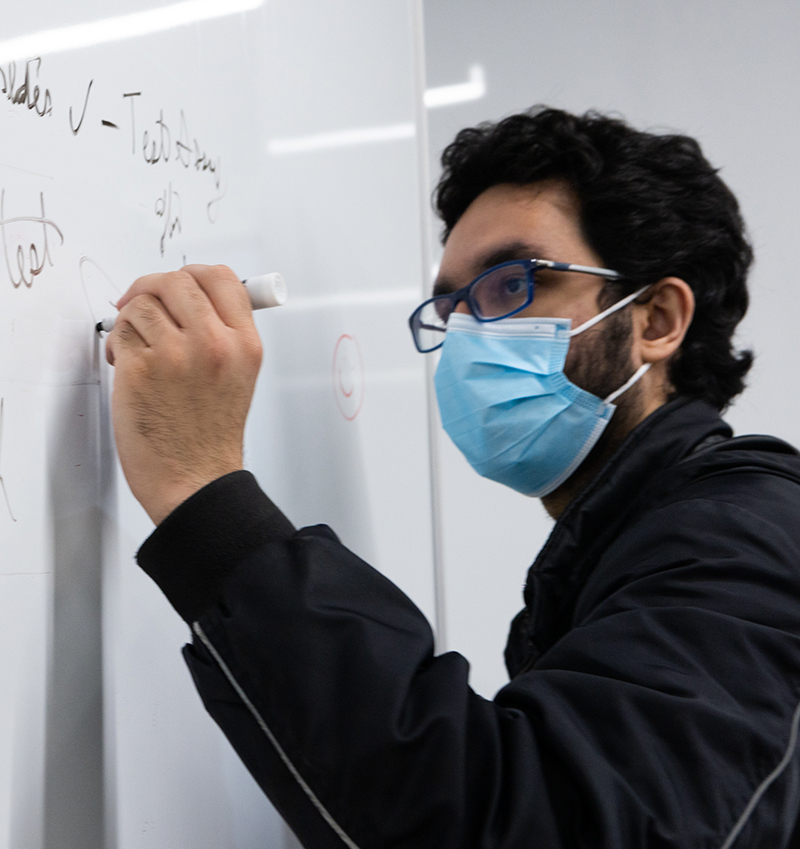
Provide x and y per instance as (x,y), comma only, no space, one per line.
(508,406)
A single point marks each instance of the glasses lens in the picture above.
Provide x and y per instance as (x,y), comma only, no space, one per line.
(429,323)
(502,291)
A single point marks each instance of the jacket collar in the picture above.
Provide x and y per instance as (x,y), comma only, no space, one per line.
(596,516)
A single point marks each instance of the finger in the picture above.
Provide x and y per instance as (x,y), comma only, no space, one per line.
(226,293)
(126,335)
(139,287)
(143,322)
(184,299)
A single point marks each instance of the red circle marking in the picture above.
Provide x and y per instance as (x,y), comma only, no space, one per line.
(348,376)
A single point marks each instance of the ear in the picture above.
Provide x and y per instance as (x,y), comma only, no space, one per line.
(661,322)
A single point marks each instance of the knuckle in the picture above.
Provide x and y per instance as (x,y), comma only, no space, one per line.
(254,350)
(182,274)
(146,308)
(225,274)
(225,271)
(218,350)
(126,332)
(142,285)
(183,282)
(196,297)
(175,362)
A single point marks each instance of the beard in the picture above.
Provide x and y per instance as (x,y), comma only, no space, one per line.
(601,364)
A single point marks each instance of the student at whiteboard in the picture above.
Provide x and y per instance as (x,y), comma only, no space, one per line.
(591,283)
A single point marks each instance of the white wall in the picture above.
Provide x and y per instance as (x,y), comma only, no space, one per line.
(724,72)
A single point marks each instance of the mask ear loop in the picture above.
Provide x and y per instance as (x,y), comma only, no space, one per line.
(628,383)
(613,308)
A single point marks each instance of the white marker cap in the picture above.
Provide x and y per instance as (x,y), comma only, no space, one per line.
(266,290)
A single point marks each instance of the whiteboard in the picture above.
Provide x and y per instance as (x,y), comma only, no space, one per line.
(267,136)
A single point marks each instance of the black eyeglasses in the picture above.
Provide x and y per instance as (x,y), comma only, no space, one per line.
(499,292)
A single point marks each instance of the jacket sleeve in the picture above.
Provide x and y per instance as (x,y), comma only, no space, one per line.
(322,675)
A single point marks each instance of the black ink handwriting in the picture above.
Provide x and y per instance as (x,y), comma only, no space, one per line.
(202,162)
(157,147)
(83,114)
(182,144)
(26,94)
(30,257)
(160,150)
(191,153)
(172,222)
(133,94)
(212,207)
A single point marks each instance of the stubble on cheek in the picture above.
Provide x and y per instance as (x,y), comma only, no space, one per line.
(601,366)
(599,360)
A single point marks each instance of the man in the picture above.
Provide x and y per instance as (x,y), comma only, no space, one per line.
(655,669)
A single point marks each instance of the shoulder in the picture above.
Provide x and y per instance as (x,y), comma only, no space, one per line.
(756,478)
(720,530)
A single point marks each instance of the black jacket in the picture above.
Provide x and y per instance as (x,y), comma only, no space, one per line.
(655,692)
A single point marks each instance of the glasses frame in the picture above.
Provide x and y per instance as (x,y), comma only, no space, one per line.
(465,293)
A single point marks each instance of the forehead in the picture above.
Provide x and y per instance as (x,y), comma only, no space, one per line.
(540,220)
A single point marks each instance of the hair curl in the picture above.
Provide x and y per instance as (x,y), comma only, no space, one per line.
(651,205)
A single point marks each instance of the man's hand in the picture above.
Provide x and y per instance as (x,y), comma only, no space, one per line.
(187,355)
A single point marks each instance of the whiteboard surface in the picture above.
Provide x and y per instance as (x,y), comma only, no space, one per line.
(149,152)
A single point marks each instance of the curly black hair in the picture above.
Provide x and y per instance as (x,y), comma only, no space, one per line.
(652,206)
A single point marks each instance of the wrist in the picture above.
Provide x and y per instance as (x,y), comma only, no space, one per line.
(168,498)
(194,550)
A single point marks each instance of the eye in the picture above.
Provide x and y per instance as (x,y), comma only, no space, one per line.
(513,286)
(501,291)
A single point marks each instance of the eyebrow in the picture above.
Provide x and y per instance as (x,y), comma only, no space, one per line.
(504,253)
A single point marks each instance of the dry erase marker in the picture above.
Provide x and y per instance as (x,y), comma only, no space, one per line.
(266,290)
